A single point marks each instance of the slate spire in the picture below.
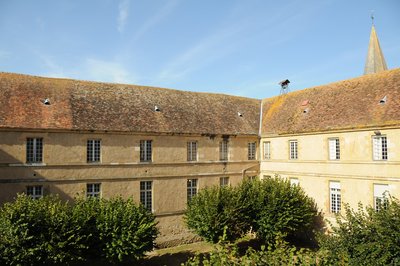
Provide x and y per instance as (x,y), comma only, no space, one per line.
(375,61)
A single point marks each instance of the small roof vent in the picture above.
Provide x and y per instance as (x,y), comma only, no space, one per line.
(240,114)
(383,100)
(157,109)
(46,101)
(306,111)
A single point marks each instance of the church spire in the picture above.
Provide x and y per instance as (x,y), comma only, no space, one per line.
(375,60)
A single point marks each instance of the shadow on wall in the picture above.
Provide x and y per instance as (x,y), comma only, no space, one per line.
(15,177)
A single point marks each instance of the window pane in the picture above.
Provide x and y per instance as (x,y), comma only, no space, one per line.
(145,150)
(223,150)
(146,194)
(191,188)
(251,151)
(267,150)
(34,150)
(335,197)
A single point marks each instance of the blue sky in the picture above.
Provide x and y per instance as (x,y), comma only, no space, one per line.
(242,47)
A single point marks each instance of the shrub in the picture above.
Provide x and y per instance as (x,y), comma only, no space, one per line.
(365,236)
(280,254)
(214,209)
(39,231)
(270,207)
(281,209)
(120,231)
(49,231)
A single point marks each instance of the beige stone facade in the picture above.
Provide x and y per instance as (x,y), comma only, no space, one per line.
(356,169)
(340,142)
(64,169)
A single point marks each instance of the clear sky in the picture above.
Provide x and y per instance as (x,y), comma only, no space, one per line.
(239,47)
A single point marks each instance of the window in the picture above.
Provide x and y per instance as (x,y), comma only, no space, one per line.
(93,151)
(93,190)
(34,150)
(334,149)
(192,151)
(145,194)
(294,181)
(251,155)
(191,188)
(35,192)
(335,196)
(267,150)
(253,177)
(381,194)
(224,181)
(266,176)
(293,149)
(380,147)
(145,150)
(223,150)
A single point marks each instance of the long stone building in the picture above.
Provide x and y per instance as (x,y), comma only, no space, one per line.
(340,142)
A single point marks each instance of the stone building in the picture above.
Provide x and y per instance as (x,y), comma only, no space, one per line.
(340,142)
(158,146)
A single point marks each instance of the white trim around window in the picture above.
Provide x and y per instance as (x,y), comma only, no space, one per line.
(293,150)
(335,197)
(267,150)
(379,148)
(334,148)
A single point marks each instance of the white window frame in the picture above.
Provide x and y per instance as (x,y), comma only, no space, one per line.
(335,197)
(381,196)
(93,190)
(35,192)
(267,150)
(34,150)
(223,150)
(146,194)
(191,188)
(293,150)
(252,151)
(379,148)
(224,181)
(146,150)
(93,150)
(334,148)
(294,181)
(192,151)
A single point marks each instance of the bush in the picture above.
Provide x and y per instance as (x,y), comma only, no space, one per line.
(270,207)
(281,209)
(39,231)
(280,254)
(50,231)
(214,209)
(120,231)
(365,236)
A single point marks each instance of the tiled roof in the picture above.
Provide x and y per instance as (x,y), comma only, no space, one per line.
(348,104)
(83,105)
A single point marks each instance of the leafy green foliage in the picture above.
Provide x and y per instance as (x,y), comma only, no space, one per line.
(281,209)
(214,209)
(39,231)
(51,231)
(281,253)
(365,236)
(270,207)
